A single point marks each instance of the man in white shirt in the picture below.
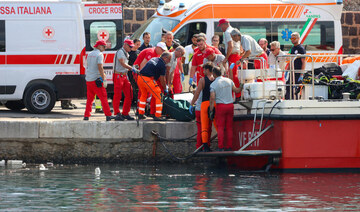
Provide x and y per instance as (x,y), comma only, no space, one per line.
(121,82)
(189,52)
(232,50)
(217,60)
(276,51)
(171,66)
(251,48)
(96,80)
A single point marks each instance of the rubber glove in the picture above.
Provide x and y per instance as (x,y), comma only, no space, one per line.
(105,84)
(191,109)
(182,77)
(232,65)
(300,78)
(191,80)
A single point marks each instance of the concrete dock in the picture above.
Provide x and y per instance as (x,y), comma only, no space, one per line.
(63,137)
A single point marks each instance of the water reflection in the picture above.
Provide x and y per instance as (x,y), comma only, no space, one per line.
(174,187)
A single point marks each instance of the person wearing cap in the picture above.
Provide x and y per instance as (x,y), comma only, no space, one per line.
(189,52)
(251,49)
(204,87)
(96,80)
(146,44)
(198,59)
(121,82)
(173,68)
(146,54)
(216,59)
(232,50)
(154,70)
(221,94)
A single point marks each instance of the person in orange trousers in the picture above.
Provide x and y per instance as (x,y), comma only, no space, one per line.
(204,87)
(154,69)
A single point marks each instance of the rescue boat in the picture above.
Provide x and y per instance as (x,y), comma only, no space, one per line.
(312,132)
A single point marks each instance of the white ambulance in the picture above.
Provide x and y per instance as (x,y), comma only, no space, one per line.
(317,21)
(43,46)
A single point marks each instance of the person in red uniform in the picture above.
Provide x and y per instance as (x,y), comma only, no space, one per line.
(198,59)
(221,93)
(96,80)
(148,53)
(232,50)
(154,69)
(121,82)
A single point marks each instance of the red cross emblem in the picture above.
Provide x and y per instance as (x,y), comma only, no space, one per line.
(103,35)
(48,32)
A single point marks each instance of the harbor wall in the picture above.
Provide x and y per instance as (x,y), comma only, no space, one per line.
(94,141)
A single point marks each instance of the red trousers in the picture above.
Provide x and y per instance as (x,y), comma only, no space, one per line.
(233,59)
(177,81)
(93,90)
(258,63)
(198,124)
(122,84)
(224,115)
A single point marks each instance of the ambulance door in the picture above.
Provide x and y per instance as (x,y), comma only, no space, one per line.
(185,33)
(2,59)
(104,22)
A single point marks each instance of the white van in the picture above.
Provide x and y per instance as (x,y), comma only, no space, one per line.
(43,46)
(317,21)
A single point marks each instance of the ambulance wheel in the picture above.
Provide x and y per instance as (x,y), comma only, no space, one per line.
(15,105)
(39,98)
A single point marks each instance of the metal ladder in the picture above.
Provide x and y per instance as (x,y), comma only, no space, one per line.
(254,129)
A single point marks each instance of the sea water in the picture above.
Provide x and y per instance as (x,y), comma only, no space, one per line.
(173,188)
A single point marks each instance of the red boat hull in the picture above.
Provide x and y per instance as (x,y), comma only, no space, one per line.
(305,144)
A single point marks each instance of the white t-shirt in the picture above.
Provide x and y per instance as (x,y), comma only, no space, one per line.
(249,43)
(121,55)
(189,52)
(93,59)
(222,87)
(281,60)
(227,38)
(173,62)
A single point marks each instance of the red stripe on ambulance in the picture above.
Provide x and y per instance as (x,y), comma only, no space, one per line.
(35,59)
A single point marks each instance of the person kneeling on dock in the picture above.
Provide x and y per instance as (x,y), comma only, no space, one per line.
(96,80)
(221,94)
(153,70)
(204,87)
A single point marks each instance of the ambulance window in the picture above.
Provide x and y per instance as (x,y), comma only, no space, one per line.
(2,36)
(108,30)
(185,34)
(321,36)
(256,30)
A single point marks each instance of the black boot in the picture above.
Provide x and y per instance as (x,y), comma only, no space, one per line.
(206,147)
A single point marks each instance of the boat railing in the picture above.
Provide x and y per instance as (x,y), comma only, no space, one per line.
(292,71)
(263,72)
(338,57)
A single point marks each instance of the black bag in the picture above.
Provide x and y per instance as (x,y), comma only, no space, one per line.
(99,83)
(177,109)
(328,69)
